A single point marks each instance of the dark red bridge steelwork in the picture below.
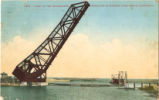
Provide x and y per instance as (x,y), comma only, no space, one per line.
(34,67)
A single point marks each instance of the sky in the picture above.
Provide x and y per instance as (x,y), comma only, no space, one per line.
(107,39)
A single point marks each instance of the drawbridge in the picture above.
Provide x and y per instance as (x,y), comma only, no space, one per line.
(33,68)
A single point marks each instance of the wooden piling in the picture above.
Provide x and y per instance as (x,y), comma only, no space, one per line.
(134,85)
(149,84)
(141,85)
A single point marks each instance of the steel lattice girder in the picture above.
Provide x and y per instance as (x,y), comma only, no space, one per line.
(34,67)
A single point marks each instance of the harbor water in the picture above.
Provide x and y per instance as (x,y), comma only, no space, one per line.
(73,93)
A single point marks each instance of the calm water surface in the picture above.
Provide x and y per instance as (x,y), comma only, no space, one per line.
(72,93)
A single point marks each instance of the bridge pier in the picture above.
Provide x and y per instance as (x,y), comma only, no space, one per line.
(34,84)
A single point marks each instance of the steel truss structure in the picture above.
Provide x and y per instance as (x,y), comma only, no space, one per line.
(34,67)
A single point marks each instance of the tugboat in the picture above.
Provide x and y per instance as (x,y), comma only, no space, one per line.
(120,78)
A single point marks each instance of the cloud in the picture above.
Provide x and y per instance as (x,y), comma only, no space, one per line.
(80,57)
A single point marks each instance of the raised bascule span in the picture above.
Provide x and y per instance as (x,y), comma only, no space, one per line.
(33,68)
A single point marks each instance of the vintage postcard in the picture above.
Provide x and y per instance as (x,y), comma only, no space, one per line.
(79,50)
